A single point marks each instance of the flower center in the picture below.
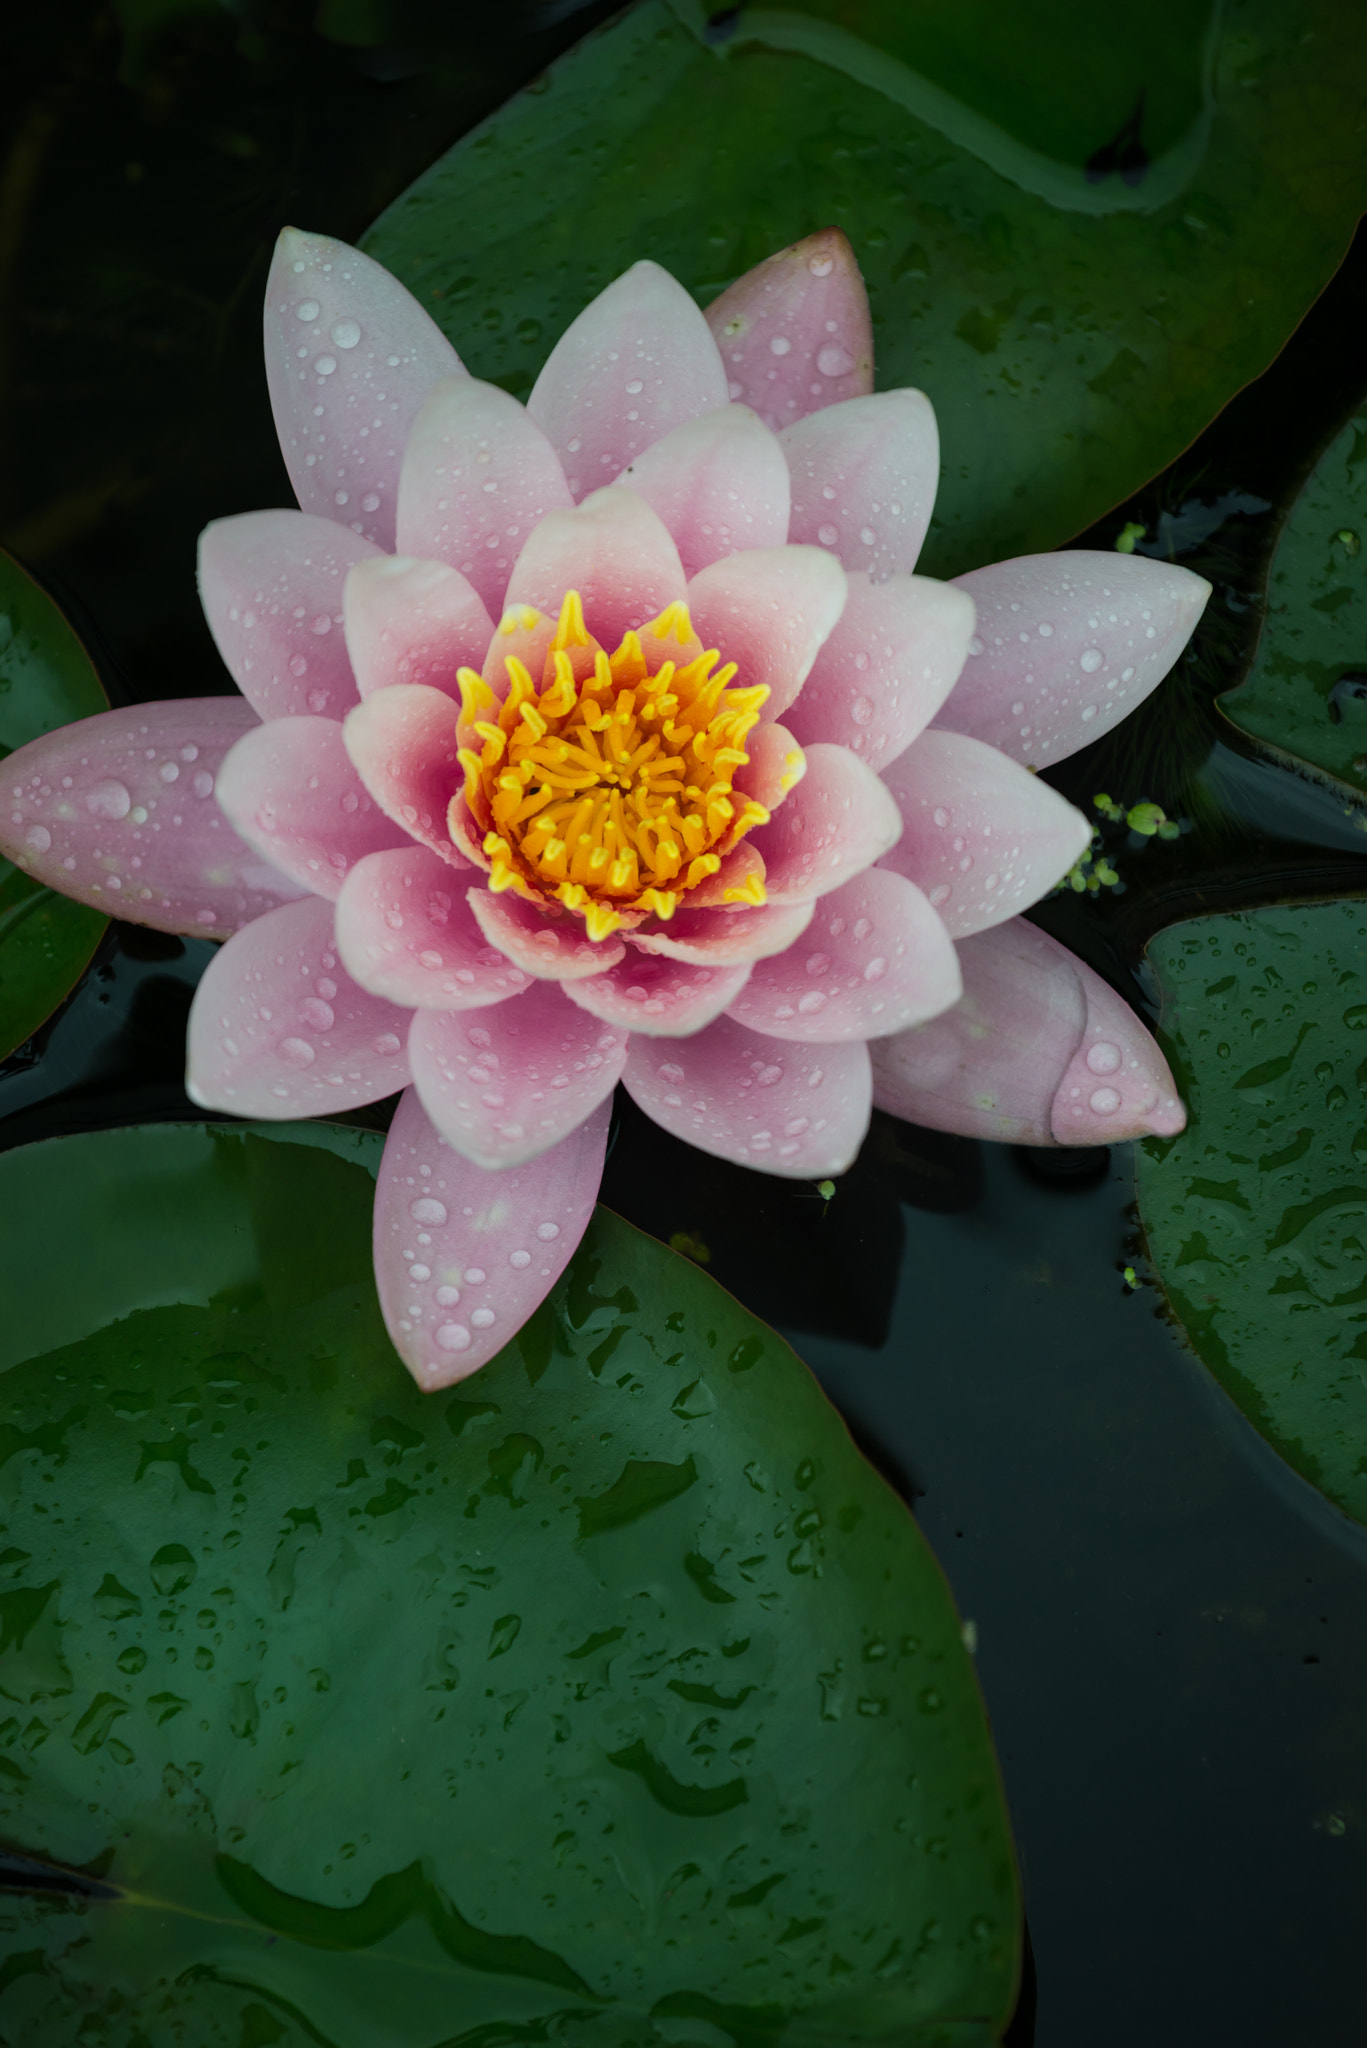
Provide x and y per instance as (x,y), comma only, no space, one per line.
(610,787)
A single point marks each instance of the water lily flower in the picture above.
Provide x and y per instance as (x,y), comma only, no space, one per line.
(613,737)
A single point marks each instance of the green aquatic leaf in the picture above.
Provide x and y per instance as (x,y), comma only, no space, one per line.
(1256,1216)
(1083,230)
(609,1698)
(46,679)
(1306,692)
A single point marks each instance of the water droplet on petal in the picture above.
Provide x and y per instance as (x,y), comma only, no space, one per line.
(1090,660)
(344,334)
(1103,1057)
(38,837)
(834,361)
(547,1232)
(325,365)
(427,1209)
(308,309)
(297,1052)
(108,800)
(453,1337)
(1105,1101)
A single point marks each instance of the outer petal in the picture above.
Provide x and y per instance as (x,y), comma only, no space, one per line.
(413,622)
(292,793)
(982,836)
(478,474)
(279,1029)
(726,938)
(545,950)
(271,586)
(836,823)
(406,932)
(462,1255)
(1066,646)
(796,1110)
(720,484)
(1039,1051)
(769,610)
(886,668)
(506,1086)
(614,551)
(350,356)
(864,478)
(794,332)
(402,742)
(118,811)
(658,997)
(637,362)
(874,959)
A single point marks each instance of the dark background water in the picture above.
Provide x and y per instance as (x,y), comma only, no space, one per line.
(1172,1628)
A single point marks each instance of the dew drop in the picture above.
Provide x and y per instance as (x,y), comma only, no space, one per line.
(780,345)
(315,1014)
(387,1044)
(1090,660)
(828,535)
(483,1318)
(108,800)
(453,1337)
(519,1260)
(821,266)
(325,365)
(344,334)
(299,665)
(833,360)
(476,1275)
(548,1232)
(1105,1101)
(419,1273)
(427,1209)
(861,710)
(308,309)
(1103,1057)
(297,1052)
(38,837)
(447,1297)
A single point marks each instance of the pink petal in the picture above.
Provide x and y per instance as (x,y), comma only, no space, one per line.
(738,868)
(344,336)
(547,949)
(864,477)
(292,793)
(768,610)
(1039,1051)
(406,932)
(774,769)
(874,959)
(271,586)
(982,836)
(506,1086)
(279,1029)
(836,823)
(413,622)
(796,1110)
(726,938)
(463,1256)
(402,742)
(658,997)
(794,332)
(637,362)
(720,484)
(886,668)
(478,474)
(118,811)
(1066,646)
(614,551)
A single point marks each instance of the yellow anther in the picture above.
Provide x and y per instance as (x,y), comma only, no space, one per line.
(751,890)
(663,902)
(475,694)
(600,920)
(570,630)
(794,768)
(698,870)
(673,622)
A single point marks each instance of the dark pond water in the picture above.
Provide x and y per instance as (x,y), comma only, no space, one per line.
(1172,1629)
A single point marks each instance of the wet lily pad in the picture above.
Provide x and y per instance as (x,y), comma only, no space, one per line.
(610,1697)
(1083,231)
(46,679)
(1306,692)
(1256,1216)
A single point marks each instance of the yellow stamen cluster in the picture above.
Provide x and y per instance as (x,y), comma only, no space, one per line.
(607,786)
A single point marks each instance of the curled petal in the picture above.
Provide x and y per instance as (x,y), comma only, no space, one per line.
(463,1255)
(1066,645)
(507,1085)
(637,362)
(836,823)
(864,478)
(271,585)
(402,742)
(796,1110)
(291,791)
(886,668)
(278,1028)
(1038,1051)
(874,959)
(984,838)
(412,622)
(719,483)
(406,932)
(614,551)
(658,997)
(118,811)
(546,950)
(769,610)
(350,356)
(794,332)
(478,474)
(726,938)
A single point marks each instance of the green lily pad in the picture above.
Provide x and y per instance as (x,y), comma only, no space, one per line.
(1306,692)
(46,679)
(610,1697)
(1083,230)
(1256,1216)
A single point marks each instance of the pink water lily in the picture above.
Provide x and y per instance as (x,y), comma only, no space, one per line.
(613,738)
